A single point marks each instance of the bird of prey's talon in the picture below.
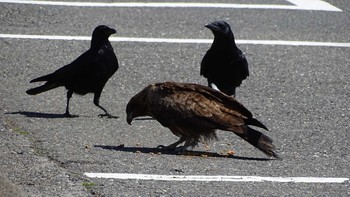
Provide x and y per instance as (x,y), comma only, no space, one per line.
(161,147)
(108,116)
(70,116)
(176,150)
(169,148)
(179,150)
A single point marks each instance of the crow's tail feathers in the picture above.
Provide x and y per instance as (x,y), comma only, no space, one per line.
(47,86)
(260,141)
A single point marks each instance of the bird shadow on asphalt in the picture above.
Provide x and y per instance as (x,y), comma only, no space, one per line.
(41,114)
(157,151)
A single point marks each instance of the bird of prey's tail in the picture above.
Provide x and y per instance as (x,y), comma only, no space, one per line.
(255,122)
(47,86)
(259,140)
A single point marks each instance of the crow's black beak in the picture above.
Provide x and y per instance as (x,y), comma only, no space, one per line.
(211,26)
(207,26)
(129,119)
(112,31)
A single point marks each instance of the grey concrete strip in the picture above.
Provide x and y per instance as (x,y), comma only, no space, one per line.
(7,189)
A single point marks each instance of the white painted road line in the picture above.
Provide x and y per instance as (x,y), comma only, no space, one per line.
(180,41)
(314,5)
(298,5)
(216,178)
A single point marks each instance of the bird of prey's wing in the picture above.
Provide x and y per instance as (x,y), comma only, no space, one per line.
(193,112)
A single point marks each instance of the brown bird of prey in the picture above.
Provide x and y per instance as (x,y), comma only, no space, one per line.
(224,65)
(193,113)
(88,73)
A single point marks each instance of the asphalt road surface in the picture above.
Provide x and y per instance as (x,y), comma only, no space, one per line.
(301,93)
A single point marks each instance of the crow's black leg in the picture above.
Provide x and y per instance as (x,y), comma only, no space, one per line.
(97,103)
(69,96)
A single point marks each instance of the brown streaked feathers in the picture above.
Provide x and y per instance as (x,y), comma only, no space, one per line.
(193,112)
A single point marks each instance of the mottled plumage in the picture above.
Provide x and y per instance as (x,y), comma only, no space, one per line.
(224,65)
(88,73)
(193,112)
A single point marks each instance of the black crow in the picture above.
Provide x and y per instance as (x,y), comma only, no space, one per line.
(193,112)
(88,73)
(224,65)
